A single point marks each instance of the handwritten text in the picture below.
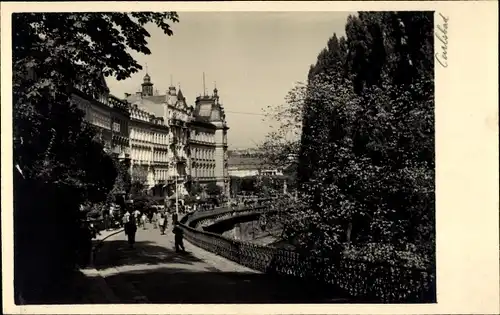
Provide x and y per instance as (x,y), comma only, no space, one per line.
(442,36)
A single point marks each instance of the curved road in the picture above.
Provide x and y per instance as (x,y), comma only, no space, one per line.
(153,272)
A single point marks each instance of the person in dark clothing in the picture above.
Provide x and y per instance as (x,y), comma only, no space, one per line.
(85,243)
(179,236)
(130,230)
(162,223)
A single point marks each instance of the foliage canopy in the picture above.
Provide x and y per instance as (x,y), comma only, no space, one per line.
(366,150)
(59,162)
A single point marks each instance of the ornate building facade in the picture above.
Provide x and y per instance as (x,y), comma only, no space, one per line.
(197,139)
(163,140)
(149,150)
(110,116)
(208,142)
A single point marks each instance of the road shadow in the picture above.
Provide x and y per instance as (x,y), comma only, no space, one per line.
(177,285)
(84,289)
(115,253)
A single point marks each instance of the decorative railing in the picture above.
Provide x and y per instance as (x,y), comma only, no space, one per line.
(194,217)
(370,282)
(236,213)
(115,102)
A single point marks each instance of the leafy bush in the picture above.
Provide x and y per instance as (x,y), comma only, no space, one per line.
(212,189)
(411,257)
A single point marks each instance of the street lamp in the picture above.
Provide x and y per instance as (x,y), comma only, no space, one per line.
(176,197)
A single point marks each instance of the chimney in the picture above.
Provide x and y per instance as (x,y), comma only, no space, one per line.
(139,93)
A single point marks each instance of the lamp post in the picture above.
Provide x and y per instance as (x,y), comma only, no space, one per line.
(176,197)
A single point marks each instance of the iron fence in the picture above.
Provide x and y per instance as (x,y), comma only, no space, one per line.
(372,282)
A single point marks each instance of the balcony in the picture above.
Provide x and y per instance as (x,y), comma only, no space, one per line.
(180,159)
(116,103)
(123,156)
(180,178)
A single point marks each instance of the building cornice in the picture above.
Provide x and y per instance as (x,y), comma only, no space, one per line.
(149,124)
(198,123)
(90,99)
(201,143)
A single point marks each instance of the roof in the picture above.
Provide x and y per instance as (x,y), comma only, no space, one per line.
(247,161)
(180,96)
(241,162)
(208,110)
(151,104)
(216,113)
(203,123)
(104,85)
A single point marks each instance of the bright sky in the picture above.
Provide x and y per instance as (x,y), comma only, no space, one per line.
(255,58)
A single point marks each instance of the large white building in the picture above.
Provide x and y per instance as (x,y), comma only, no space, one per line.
(149,141)
(248,165)
(110,116)
(172,142)
(208,142)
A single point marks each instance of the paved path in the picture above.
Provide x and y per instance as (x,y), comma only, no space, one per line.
(153,272)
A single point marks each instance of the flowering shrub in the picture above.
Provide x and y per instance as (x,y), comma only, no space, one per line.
(388,254)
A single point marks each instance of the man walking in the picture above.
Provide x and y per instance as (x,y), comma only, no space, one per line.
(143,221)
(130,230)
(154,220)
(137,213)
(125,219)
(179,236)
(162,223)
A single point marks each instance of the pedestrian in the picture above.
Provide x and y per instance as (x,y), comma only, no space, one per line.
(130,230)
(126,218)
(110,219)
(84,243)
(179,236)
(162,223)
(150,216)
(137,213)
(143,221)
(154,220)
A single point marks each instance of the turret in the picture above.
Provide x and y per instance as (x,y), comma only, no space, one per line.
(147,86)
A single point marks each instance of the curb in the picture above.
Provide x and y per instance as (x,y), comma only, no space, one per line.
(102,287)
(98,245)
(107,290)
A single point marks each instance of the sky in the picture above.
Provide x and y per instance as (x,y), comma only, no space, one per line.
(254,58)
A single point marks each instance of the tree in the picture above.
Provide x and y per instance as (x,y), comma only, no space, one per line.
(284,142)
(235,185)
(366,158)
(137,188)
(123,183)
(269,185)
(196,189)
(54,149)
(212,189)
(248,184)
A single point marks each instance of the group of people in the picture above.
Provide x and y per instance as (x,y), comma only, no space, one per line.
(159,220)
